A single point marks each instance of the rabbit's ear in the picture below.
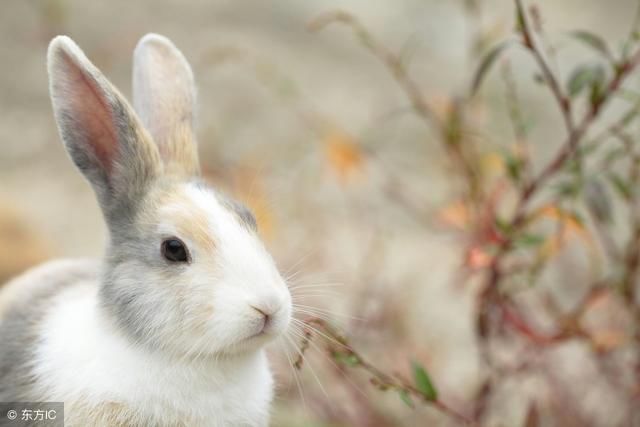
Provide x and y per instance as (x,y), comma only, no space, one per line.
(100,130)
(164,98)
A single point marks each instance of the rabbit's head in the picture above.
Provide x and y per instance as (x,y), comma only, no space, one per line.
(185,271)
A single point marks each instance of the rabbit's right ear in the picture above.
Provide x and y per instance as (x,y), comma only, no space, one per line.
(100,130)
(164,96)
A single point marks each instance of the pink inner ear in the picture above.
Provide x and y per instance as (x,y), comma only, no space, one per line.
(87,103)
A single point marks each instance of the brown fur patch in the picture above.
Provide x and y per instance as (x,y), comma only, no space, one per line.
(181,154)
(116,414)
(190,221)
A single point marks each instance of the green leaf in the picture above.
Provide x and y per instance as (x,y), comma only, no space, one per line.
(568,188)
(404,396)
(503,226)
(630,115)
(613,155)
(520,19)
(585,150)
(485,64)
(597,86)
(423,382)
(628,95)
(454,126)
(529,240)
(622,187)
(577,217)
(514,165)
(593,41)
(538,78)
(348,359)
(597,200)
(379,384)
(578,80)
(586,76)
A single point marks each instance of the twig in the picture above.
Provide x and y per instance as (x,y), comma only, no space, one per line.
(449,130)
(380,379)
(391,61)
(489,297)
(549,77)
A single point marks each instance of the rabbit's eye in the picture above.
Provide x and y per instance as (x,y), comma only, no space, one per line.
(175,250)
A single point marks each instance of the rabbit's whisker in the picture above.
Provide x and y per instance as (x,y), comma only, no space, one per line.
(296,378)
(318,332)
(301,308)
(306,360)
(315,285)
(331,361)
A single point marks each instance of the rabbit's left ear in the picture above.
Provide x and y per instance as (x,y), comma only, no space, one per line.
(100,131)
(164,98)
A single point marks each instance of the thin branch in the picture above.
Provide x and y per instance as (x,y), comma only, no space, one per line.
(393,62)
(378,378)
(449,129)
(550,78)
(570,146)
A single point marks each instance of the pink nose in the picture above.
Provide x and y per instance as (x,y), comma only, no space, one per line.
(266,317)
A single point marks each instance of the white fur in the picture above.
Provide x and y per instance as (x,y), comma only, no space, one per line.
(236,276)
(83,360)
(163,86)
(246,264)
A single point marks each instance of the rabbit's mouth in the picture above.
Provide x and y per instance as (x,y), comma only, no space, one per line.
(257,336)
(252,342)
(270,328)
(269,322)
(267,329)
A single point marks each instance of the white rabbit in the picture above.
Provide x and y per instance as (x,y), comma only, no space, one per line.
(169,328)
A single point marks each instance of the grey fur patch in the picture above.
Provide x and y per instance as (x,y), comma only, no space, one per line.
(243,213)
(135,246)
(129,307)
(19,326)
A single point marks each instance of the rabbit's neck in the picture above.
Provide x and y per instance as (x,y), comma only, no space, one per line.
(87,363)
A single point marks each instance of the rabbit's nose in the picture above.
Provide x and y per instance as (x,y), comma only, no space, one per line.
(266,316)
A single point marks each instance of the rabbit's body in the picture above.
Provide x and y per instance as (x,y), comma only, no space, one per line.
(58,346)
(170,327)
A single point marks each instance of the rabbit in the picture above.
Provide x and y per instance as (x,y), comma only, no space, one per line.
(170,326)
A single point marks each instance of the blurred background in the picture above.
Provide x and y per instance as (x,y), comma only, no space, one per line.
(367,206)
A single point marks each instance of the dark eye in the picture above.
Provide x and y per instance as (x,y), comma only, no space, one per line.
(175,250)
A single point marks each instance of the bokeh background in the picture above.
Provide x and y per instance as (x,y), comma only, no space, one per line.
(352,191)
